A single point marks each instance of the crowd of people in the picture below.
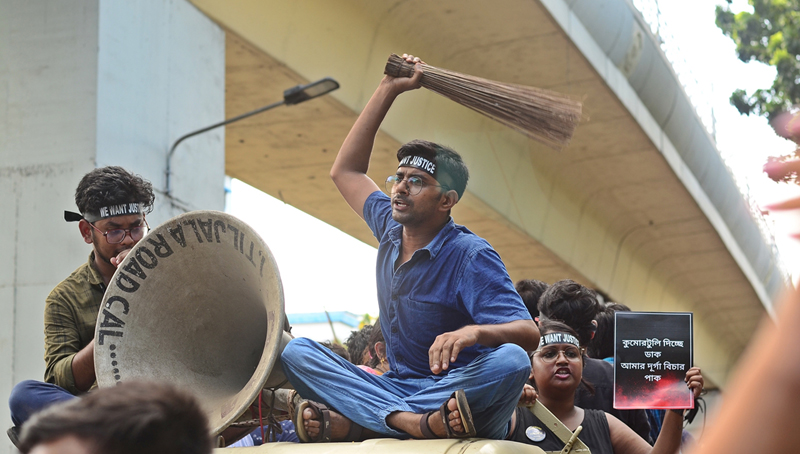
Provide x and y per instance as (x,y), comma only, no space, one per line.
(458,350)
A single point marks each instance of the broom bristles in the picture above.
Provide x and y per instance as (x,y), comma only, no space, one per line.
(543,115)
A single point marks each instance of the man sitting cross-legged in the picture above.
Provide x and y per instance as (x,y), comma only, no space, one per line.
(456,331)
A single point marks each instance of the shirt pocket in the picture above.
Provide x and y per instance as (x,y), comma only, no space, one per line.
(432,318)
(415,306)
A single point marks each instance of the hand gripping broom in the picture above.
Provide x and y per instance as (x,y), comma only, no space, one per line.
(545,116)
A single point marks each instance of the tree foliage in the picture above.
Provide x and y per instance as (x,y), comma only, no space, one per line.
(771,35)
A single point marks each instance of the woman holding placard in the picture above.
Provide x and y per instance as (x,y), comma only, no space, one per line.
(557,369)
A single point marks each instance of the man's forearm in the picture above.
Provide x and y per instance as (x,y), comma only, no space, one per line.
(521,332)
(669,439)
(357,147)
(83,368)
(349,171)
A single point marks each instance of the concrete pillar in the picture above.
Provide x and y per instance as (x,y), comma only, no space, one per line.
(91,83)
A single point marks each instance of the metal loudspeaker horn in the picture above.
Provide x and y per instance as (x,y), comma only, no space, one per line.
(197,302)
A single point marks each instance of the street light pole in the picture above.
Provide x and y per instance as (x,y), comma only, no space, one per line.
(291,96)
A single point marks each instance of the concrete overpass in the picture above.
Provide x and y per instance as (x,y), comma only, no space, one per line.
(640,205)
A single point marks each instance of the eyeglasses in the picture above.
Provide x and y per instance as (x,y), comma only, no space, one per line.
(414,184)
(550,354)
(117,236)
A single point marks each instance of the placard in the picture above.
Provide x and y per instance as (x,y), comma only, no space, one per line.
(652,352)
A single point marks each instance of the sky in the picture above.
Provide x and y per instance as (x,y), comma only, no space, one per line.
(744,142)
(322,268)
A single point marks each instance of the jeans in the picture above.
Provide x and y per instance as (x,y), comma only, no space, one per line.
(492,382)
(31,396)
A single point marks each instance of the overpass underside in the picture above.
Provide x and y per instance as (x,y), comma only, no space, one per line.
(608,211)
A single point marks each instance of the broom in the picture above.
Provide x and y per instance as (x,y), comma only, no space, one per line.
(545,116)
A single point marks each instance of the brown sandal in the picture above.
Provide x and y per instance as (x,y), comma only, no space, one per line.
(354,434)
(463,411)
(424,427)
(324,418)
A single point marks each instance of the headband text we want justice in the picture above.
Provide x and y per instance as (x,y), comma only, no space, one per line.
(110,211)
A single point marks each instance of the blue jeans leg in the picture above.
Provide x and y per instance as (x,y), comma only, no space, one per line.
(323,376)
(31,396)
(493,383)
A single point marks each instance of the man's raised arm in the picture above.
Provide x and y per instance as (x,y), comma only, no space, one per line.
(349,171)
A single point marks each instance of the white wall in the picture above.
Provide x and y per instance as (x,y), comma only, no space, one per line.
(91,83)
(161,72)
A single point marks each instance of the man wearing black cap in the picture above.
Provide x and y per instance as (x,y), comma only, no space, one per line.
(456,331)
(112,204)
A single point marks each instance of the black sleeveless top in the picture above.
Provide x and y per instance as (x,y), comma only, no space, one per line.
(595,433)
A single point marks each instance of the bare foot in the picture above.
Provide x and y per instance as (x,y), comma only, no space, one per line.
(454,418)
(311,423)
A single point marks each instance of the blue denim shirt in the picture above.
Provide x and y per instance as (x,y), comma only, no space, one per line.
(454,281)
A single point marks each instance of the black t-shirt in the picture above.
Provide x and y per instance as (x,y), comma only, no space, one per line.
(601,375)
(533,431)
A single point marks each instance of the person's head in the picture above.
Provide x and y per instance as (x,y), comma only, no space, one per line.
(430,180)
(112,203)
(338,349)
(377,349)
(531,290)
(356,345)
(573,304)
(602,346)
(131,418)
(557,364)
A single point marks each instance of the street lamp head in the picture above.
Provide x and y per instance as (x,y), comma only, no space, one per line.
(301,93)
(294,95)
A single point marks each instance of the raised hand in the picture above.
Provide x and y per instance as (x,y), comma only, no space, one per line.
(529,395)
(401,84)
(694,380)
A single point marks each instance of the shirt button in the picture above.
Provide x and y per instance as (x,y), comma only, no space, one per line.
(399,358)
(394,330)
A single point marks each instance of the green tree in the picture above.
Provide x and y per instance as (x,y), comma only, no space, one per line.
(771,35)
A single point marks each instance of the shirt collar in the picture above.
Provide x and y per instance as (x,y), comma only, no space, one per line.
(396,236)
(94,277)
